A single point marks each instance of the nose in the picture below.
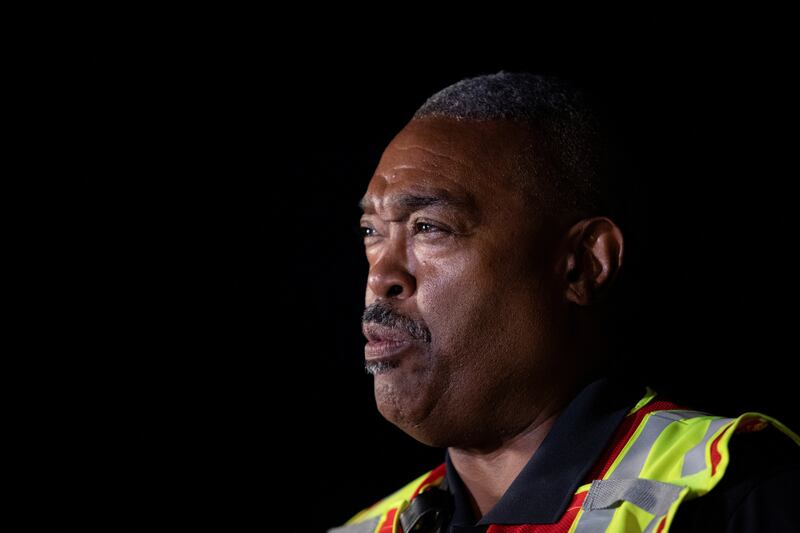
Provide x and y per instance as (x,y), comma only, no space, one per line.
(389,275)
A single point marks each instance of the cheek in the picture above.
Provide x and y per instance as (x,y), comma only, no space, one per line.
(480,308)
(447,287)
(459,297)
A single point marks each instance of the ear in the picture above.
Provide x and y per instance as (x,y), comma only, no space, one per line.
(593,259)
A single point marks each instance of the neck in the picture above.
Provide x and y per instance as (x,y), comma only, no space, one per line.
(488,474)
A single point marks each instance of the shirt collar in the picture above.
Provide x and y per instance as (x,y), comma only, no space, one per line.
(545,486)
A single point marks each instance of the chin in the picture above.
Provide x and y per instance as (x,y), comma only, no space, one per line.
(411,409)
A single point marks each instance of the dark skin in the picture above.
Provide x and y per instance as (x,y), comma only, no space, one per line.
(504,289)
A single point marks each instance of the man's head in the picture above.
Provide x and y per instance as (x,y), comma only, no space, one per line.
(485,250)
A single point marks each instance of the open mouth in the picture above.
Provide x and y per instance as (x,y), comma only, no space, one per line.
(384,342)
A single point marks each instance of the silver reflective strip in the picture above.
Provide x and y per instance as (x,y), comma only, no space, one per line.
(605,495)
(367,526)
(695,459)
(655,497)
(633,461)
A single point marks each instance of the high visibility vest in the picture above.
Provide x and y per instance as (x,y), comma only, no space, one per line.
(659,457)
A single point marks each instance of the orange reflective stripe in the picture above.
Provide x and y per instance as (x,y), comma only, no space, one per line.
(716,457)
(388,525)
(435,478)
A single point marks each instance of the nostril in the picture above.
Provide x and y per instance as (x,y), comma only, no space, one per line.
(394,290)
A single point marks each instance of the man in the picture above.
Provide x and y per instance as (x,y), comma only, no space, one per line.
(491,254)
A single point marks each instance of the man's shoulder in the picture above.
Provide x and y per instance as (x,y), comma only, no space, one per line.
(398,499)
(756,489)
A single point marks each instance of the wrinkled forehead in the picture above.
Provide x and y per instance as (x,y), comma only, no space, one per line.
(469,159)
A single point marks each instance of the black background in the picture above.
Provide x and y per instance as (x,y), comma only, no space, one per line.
(203,280)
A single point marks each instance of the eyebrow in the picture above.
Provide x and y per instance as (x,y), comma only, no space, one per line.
(410,202)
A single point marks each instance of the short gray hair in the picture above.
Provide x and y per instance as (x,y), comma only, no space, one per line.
(571,178)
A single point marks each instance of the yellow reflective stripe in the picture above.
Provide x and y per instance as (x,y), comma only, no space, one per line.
(368,526)
(668,451)
(630,462)
(648,397)
(591,521)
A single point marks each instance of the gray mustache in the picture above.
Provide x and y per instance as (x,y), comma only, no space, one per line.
(382,314)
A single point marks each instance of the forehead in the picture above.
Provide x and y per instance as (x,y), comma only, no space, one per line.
(467,160)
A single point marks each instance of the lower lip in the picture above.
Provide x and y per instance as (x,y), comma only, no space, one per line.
(376,350)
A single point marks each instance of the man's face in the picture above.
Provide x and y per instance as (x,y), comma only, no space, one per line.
(463,303)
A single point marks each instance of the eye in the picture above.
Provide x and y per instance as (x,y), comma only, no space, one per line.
(366,231)
(426,227)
